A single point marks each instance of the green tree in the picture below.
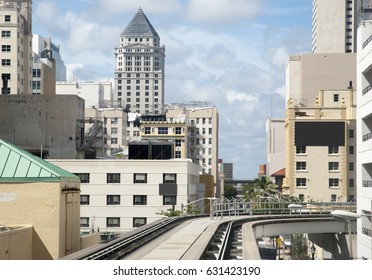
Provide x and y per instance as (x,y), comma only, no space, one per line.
(299,247)
(262,186)
(170,213)
(230,192)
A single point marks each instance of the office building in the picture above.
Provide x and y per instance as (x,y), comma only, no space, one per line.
(334,26)
(364,136)
(139,70)
(321,148)
(275,146)
(16,51)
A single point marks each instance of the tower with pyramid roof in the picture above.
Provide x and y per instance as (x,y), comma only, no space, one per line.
(139,69)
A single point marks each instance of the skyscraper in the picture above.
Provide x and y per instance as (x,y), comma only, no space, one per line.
(334,26)
(139,72)
(16,51)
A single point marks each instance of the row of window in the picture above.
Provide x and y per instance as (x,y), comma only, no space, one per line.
(129,75)
(333,197)
(163,130)
(331,150)
(138,178)
(115,199)
(332,166)
(115,221)
(147,93)
(137,88)
(332,182)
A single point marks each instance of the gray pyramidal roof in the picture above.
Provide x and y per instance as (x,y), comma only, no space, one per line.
(140,26)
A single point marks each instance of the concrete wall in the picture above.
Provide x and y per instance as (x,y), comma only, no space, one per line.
(16,243)
(53,122)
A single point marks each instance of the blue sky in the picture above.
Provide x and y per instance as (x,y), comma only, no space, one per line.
(229,52)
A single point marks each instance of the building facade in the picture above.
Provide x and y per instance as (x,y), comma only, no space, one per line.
(336,33)
(320,160)
(364,127)
(275,146)
(139,70)
(16,50)
(121,195)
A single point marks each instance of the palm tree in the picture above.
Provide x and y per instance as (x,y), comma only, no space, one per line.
(265,186)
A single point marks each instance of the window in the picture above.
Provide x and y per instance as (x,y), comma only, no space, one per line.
(84,222)
(114,120)
(351,133)
(5,62)
(170,178)
(351,183)
(210,130)
(301,197)
(84,199)
(178,130)
(114,130)
(162,130)
(169,200)
(5,48)
(333,197)
(5,34)
(335,97)
(177,154)
(300,149)
(84,177)
(139,221)
(112,222)
(140,178)
(333,150)
(178,143)
(351,150)
(7,18)
(300,182)
(139,199)
(351,166)
(114,140)
(301,165)
(333,182)
(113,178)
(113,199)
(147,130)
(333,166)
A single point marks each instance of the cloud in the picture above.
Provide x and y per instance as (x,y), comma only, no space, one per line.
(222,11)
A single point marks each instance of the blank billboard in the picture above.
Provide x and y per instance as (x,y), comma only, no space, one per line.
(320,133)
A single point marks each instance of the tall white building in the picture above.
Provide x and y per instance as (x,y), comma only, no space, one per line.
(16,50)
(334,26)
(139,70)
(364,128)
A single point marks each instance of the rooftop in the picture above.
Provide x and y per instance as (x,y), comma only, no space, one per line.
(140,26)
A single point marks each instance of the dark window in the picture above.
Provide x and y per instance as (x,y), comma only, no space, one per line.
(5,48)
(300,149)
(84,222)
(113,178)
(169,178)
(351,150)
(351,183)
(84,177)
(140,200)
(139,221)
(84,199)
(140,178)
(112,222)
(5,34)
(333,182)
(351,133)
(169,200)
(162,130)
(333,150)
(335,97)
(7,18)
(351,166)
(333,166)
(178,130)
(301,165)
(113,199)
(333,197)
(147,130)
(301,182)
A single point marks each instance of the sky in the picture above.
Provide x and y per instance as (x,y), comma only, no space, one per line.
(229,52)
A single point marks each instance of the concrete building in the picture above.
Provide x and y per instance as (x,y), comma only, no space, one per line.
(334,26)
(364,136)
(92,92)
(202,143)
(139,71)
(321,148)
(307,74)
(106,128)
(275,146)
(39,206)
(51,125)
(227,169)
(43,75)
(120,195)
(16,50)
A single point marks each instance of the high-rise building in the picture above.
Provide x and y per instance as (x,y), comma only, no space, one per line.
(139,71)
(364,136)
(275,146)
(334,26)
(16,50)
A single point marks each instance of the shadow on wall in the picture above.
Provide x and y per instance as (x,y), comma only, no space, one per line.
(39,251)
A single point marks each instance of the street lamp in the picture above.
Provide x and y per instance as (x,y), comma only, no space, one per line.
(348,216)
(312,250)
(295,207)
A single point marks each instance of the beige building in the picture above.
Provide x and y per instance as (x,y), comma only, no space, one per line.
(121,195)
(39,207)
(202,136)
(16,46)
(43,75)
(275,146)
(307,74)
(320,159)
(334,26)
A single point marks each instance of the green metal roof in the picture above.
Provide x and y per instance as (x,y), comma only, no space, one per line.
(17,165)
